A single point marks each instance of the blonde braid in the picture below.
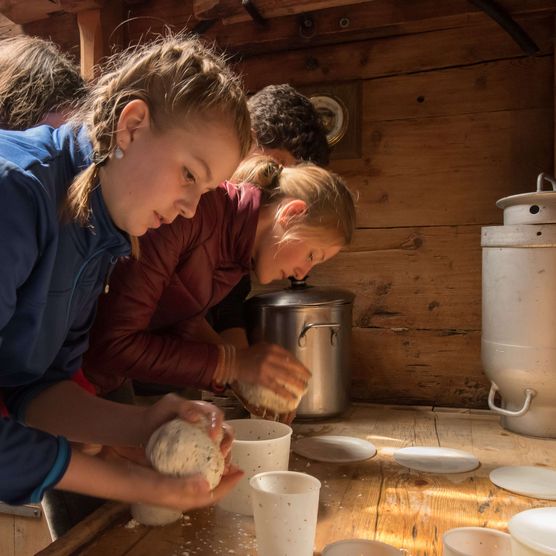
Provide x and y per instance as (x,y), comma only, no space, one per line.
(175,76)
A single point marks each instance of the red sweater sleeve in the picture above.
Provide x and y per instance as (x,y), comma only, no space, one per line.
(122,344)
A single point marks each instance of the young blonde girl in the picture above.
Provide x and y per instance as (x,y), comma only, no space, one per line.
(273,221)
(165,123)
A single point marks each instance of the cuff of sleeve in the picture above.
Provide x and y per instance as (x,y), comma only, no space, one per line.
(24,398)
(56,471)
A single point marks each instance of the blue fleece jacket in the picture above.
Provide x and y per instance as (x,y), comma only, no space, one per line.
(51,274)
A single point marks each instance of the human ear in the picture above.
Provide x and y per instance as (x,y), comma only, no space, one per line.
(290,210)
(134,118)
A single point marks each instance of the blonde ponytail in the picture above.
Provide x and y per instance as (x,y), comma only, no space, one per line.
(330,203)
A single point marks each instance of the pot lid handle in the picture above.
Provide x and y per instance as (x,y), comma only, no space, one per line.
(296,284)
(544,176)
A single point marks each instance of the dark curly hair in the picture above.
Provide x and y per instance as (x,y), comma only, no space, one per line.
(283,118)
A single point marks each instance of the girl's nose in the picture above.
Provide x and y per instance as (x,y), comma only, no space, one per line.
(188,208)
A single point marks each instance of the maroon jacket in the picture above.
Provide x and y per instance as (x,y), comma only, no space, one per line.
(183,270)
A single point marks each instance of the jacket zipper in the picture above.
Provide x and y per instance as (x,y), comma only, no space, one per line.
(80,272)
(113,261)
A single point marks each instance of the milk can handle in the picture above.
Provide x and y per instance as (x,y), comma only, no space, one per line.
(529,395)
(547,177)
(307,326)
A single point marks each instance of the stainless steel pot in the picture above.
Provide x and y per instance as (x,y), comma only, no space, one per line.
(313,323)
(519,311)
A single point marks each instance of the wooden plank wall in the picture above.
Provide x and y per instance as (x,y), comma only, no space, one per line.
(452,120)
(454,117)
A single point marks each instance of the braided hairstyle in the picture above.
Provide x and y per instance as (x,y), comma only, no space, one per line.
(175,76)
(330,204)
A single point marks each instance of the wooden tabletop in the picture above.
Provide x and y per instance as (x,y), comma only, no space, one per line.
(375,499)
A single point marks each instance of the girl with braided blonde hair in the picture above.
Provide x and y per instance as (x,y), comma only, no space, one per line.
(270,220)
(165,123)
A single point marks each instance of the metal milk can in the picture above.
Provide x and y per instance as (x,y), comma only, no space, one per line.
(313,323)
(519,311)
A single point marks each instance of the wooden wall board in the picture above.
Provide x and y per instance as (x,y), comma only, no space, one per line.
(442,367)
(393,55)
(423,278)
(8,28)
(447,170)
(514,84)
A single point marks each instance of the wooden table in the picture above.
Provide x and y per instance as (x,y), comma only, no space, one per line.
(375,499)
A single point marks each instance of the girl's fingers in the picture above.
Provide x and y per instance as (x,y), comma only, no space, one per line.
(194,411)
(227,439)
(279,389)
(228,482)
(196,494)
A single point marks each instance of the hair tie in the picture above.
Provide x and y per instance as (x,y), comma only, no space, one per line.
(99,160)
(275,181)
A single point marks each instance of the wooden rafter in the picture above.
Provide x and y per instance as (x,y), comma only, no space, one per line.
(25,11)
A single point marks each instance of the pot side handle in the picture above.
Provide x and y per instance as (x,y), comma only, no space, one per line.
(529,395)
(301,340)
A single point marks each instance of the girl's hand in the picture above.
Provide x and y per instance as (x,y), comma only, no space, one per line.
(113,476)
(273,367)
(173,406)
(189,493)
(263,412)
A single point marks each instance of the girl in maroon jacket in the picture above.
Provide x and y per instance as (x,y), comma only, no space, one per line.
(278,222)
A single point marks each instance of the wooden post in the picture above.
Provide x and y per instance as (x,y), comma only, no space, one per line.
(91,40)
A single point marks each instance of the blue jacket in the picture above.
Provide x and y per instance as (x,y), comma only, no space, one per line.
(51,274)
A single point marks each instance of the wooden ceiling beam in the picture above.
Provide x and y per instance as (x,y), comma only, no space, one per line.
(232,11)
(25,11)
(377,18)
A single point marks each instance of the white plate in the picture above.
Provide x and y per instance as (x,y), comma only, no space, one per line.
(536,529)
(334,449)
(433,459)
(537,482)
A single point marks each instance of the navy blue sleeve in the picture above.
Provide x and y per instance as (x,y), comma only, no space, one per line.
(67,362)
(31,462)
(230,312)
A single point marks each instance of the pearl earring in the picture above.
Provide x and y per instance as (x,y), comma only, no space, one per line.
(118,153)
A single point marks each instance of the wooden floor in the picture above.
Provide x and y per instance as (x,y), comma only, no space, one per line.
(375,499)
(22,536)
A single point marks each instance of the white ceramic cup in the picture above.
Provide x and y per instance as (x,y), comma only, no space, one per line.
(258,446)
(476,541)
(359,547)
(285,505)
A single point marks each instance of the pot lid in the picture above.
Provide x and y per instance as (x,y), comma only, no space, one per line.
(538,197)
(300,294)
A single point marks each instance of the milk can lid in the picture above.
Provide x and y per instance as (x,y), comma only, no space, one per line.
(300,294)
(533,198)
